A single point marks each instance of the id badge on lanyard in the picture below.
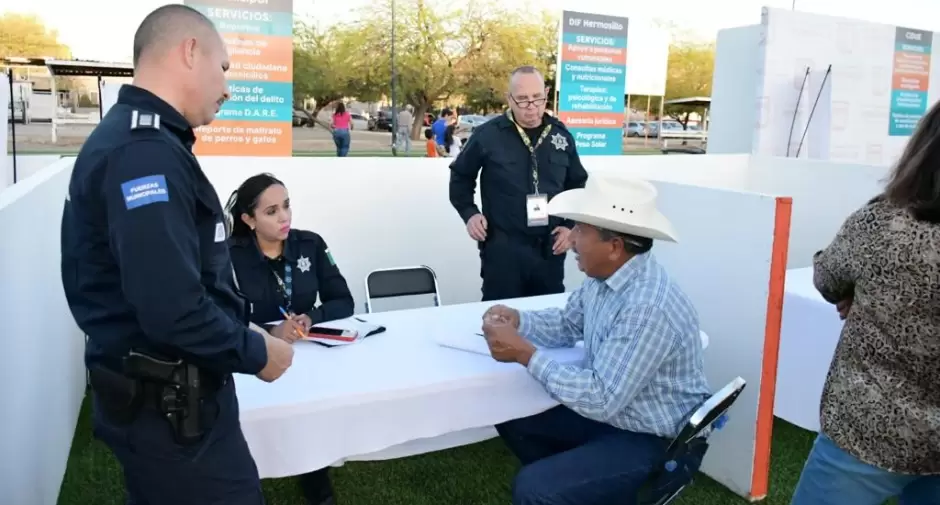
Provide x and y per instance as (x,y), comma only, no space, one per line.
(285,285)
(536,204)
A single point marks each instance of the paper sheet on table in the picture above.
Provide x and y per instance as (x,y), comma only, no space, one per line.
(472,342)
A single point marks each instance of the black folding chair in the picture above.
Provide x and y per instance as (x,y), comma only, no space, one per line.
(401,281)
(686,451)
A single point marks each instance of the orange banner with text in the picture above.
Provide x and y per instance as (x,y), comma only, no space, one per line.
(260,57)
(591,119)
(244,138)
(594,54)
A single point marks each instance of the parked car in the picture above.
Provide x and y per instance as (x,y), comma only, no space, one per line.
(359,122)
(382,121)
(641,129)
(302,118)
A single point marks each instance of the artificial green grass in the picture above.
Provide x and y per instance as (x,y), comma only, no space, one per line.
(479,474)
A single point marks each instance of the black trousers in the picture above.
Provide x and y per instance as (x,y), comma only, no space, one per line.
(514,266)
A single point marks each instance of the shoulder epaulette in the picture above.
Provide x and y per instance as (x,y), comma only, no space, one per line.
(144,120)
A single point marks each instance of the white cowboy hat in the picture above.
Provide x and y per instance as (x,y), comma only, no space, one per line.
(618,204)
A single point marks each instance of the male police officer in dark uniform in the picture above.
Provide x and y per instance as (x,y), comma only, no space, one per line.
(147,275)
(527,158)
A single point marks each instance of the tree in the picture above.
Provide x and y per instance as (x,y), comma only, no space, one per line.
(690,71)
(324,68)
(511,41)
(441,52)
(27,36)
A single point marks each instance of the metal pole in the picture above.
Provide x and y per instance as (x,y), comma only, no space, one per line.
(100,104)
(13,122)
(394,78)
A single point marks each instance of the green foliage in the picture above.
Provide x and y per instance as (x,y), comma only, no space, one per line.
(690,71)
(441,53)
(28,37)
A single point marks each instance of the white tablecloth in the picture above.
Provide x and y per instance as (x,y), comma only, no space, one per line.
(808,338)
(395,394)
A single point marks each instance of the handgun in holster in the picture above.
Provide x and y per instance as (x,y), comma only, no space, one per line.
(177,390)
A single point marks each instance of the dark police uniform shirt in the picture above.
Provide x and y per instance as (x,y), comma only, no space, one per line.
(145,264)
(313,273)
(497,148)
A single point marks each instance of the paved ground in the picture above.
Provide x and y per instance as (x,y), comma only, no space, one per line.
(38,137)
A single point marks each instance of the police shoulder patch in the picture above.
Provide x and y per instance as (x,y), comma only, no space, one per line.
(144,191)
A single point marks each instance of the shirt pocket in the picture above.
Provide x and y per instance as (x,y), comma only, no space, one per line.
(212,232)
(557,170)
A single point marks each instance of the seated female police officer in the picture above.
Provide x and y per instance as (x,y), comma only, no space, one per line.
(280,268)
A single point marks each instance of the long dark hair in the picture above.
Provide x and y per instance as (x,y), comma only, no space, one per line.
(914,184)
(340,109)
(244,200)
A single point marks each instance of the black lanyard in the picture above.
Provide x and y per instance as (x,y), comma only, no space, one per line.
(285,285)
(532,148)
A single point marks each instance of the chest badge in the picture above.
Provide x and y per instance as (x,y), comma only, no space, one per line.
(560,142)
(303,264)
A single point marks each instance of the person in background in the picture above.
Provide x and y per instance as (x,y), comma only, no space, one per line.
(644,368)
(340,124)
(406,121)
(440,126)
(526,158)
(277,268)
(451,141)
(147,276)
(880,409)
(430,144)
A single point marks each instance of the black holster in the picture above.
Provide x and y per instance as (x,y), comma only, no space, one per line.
(171,387)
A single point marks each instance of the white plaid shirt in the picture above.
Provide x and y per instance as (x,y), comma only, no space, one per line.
(643,369)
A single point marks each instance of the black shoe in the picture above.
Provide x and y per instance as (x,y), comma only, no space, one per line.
(328,501)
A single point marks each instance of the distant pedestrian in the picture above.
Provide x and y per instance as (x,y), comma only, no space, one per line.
(406,120)
(440,126)
(340,124)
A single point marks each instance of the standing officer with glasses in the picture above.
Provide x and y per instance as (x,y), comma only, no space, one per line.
(527,158)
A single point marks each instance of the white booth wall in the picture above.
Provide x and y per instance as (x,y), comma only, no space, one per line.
(763,99)
(43,375)
(379,213)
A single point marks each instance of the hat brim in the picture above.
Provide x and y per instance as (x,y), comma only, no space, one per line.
(576,205)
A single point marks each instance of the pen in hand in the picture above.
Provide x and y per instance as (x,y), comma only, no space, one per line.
(288,318)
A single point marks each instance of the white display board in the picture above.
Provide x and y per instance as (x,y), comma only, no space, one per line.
(6,163)
(647,58)
(109,95)
(869,84)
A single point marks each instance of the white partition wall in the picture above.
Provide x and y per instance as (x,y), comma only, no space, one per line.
(43,375)
(109,94)
(847,90)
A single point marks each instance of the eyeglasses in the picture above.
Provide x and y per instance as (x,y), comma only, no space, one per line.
(527,104)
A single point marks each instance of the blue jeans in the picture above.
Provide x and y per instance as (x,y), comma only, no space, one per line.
(571,460)
(404,138)
(834,477)
(341,139)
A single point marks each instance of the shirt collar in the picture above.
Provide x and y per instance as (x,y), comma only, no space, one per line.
(627,272)
(290,247)
(171,118)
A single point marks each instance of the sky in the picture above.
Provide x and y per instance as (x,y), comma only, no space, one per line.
(83,28)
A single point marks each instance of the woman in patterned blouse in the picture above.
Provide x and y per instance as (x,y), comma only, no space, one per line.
(880,412)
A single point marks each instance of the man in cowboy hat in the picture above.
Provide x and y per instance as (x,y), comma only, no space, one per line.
(643,370)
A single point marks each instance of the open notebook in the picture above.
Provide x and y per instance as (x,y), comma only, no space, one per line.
(475,343)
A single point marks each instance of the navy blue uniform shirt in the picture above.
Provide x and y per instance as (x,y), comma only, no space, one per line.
(497,148)
(313,272)
(145,264)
